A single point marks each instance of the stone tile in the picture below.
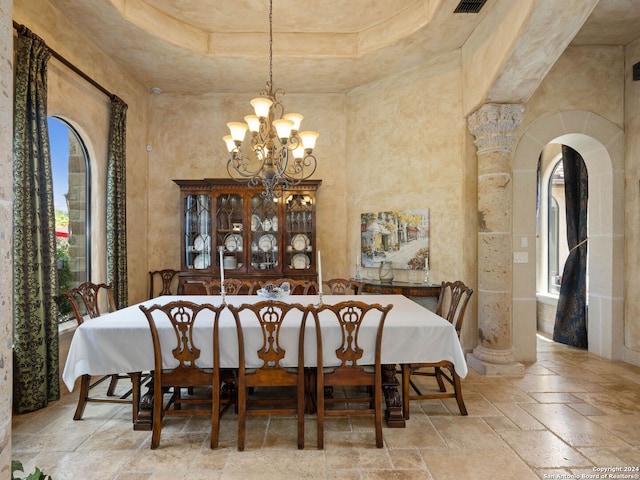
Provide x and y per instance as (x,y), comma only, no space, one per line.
(274,464)
(517,415)
(466,433)
(406,459)
(480,463)
(418,433)
(542,449)
(570,426)
(356,458)
(626,427)
(618,403)
(553,397)
(502,393)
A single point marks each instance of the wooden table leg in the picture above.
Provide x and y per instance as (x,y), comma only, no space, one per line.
(393,413)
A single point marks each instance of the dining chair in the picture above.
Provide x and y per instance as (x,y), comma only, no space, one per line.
(232,286)
(297,287)
(452,304)
(346,370)
(86,300)
(343,286)
(262,387)
(167,285)
(204,384)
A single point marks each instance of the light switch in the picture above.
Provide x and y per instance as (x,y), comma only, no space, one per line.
(524,242)
(520,257)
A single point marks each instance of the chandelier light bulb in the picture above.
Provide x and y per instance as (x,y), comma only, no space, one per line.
(283,128)
(230,143)
(309,139)
(261,105)
(298,152)
(296,118)
(238,130)
(254,123)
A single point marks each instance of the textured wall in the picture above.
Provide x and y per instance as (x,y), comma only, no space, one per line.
(6,235)
(406,148)
(632,200)
(87,109)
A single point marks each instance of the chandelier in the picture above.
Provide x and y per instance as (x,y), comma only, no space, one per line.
(279,155)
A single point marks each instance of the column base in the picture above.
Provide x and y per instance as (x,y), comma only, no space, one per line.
(514,369)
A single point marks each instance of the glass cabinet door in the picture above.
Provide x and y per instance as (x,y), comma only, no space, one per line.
(230,230)
(197,231)
(299,228)
(264,233)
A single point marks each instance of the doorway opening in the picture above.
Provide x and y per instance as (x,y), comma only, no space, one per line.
(601,145)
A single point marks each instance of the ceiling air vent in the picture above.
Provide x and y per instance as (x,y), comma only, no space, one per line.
(469,6)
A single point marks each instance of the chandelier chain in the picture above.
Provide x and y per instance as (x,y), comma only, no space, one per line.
(271,42)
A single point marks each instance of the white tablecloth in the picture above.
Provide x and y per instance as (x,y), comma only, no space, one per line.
(121,341)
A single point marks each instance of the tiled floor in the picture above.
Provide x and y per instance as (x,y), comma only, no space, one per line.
(571,414)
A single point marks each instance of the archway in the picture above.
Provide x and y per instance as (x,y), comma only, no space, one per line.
(601,144)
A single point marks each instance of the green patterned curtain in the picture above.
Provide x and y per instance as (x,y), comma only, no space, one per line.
(117,203)
(36,370)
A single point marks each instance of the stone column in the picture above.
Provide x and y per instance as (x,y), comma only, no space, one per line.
(6,234)
(492,126)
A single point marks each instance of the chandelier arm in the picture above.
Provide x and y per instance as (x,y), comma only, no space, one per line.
(240,164)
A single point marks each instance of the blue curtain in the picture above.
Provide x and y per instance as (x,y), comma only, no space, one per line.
(571,316)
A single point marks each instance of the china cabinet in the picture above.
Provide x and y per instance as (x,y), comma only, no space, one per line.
(231,225)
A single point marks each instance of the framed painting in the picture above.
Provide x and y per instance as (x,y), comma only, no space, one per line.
(400,237)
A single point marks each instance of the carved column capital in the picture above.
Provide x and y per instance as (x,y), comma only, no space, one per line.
(493,125)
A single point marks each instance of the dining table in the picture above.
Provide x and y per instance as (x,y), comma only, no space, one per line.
(121,342)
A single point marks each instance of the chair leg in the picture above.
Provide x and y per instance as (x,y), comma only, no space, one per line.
(319,408)
(156,422)
(85,381)
(438,375)
(215,409)
(457,387)
(136,381)
(242,415)
(406,375)
(113,383)
(301,398)
(378,415)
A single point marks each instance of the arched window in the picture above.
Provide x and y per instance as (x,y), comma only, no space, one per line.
(71,191)
(557,229)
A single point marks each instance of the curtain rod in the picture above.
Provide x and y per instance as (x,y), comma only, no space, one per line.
(21,29)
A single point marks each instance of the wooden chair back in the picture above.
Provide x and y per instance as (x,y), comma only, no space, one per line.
(232,286)
(343,286)
(298,287)
(167,285)
(277,367)
(186,371)
(349,371)
(452,302)
(87,299)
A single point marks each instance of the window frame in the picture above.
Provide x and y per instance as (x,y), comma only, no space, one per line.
(87,196)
